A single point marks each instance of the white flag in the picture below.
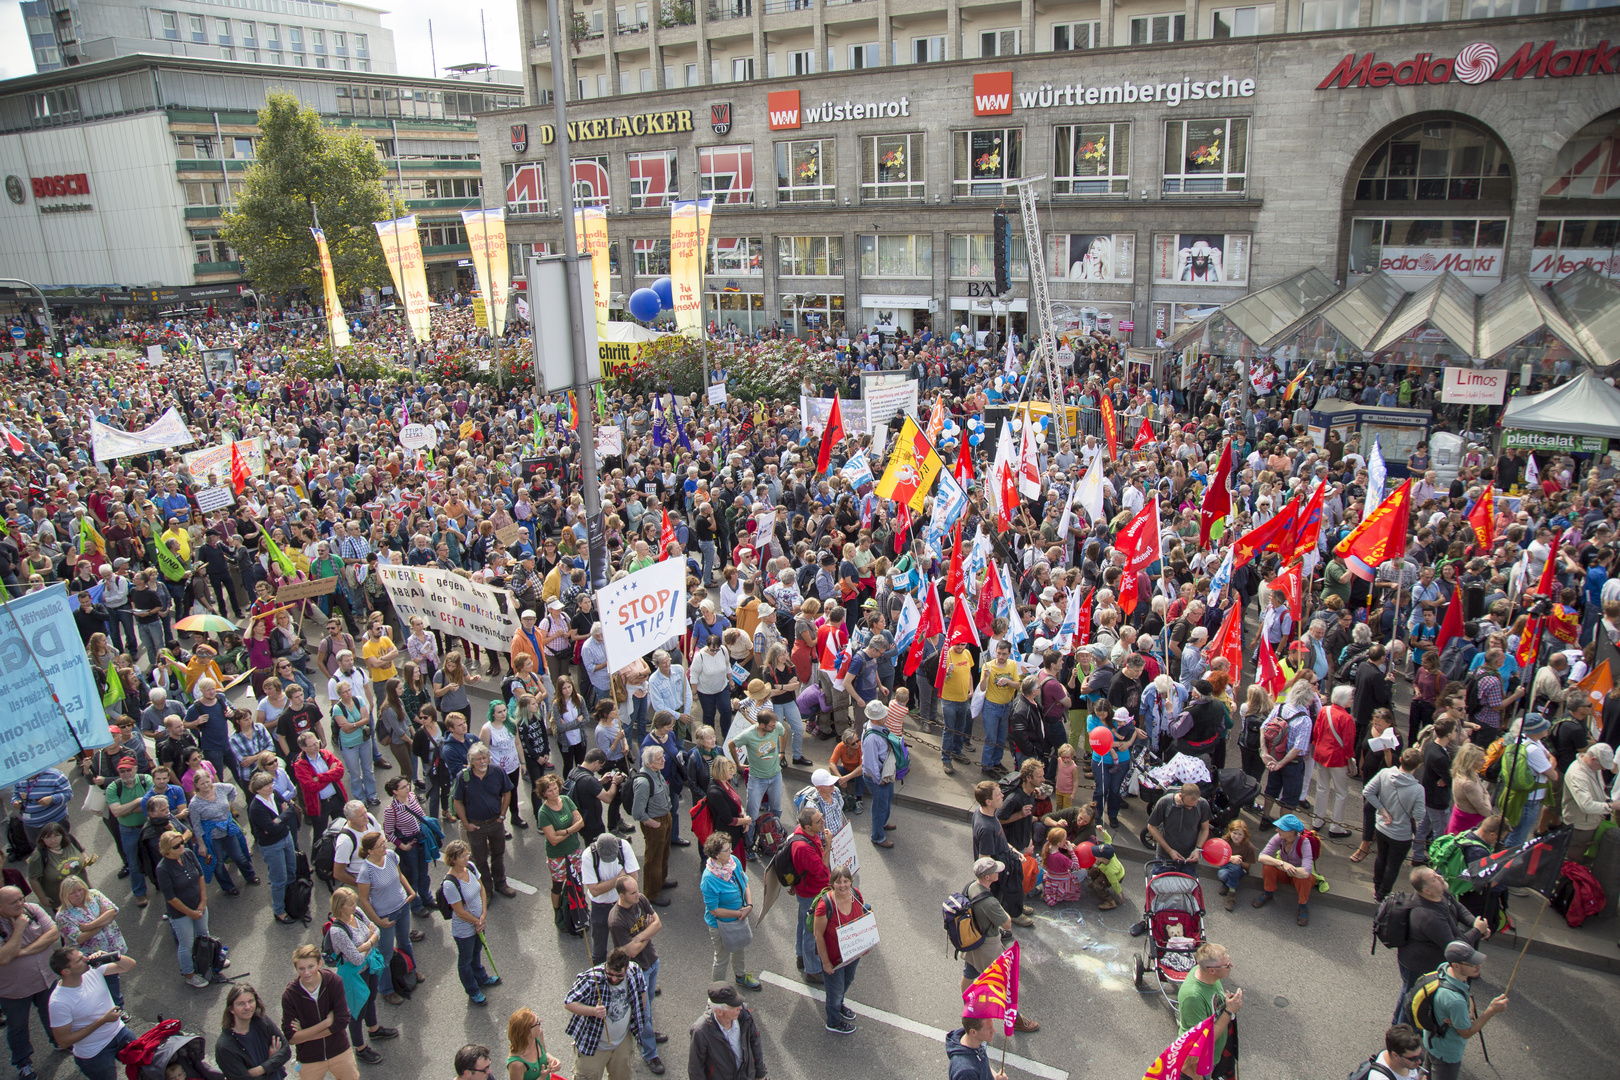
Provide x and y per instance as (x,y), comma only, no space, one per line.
(1089,492)
(1532,475)
(1377,474)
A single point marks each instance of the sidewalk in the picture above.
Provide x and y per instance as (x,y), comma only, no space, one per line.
(929,790)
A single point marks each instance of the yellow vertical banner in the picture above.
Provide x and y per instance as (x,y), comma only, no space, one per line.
(402,251)
(335,321)
(590,225)
(688,245)
(486,233)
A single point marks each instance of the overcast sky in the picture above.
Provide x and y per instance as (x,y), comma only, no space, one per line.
(456,36)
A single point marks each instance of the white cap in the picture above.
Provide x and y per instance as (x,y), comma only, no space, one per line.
(822,778)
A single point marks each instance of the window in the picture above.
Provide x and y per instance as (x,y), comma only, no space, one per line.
(626,81)
(1329,15)
(810,256)
(654,179)
(928,50)
(806,171)
(212,251)
(603,87)
(985,158)
(645,77)
(897,256)
(736,256)
(998,42)
(442,234)
(1240,22)
(205,193)
(669,78)
(726,173)
(1588,165)
(272,36)
(520,254)
(972,256)
(863,56)
(1426,248)
(340,45)
(38,26)
(195,146)
(892,166)
(242,148)
(652,257)
(1205,156)
(1093,257)
(248,34)
(199,32)
(223,26)
(1437,160)
(525,187)
(171,26)
(1501,9)
(1080,35)
(1092,159)
(1201,258)
(742,69)
(361,48)
(802,63)
(295,38)
(450,189)
(691,75)
(590,181)
(1563,247)
(1158,29)
(1396,12)
(596,23)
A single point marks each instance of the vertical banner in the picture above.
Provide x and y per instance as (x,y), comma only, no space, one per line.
(486,233)
(34,736)
(688,244)
(402,251)
(590,225)
(335,322)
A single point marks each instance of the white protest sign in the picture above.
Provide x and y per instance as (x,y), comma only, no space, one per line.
(456,605)
(856,939)
(764,527)
(154,354)
(883,403)
(418,436)
(717,394)
(214,498)
(212,464)
(1470,386)
(813,412)
(168,431)
(641,612)
(609,443)
(843,851)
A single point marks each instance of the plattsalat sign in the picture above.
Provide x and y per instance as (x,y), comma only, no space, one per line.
(1475,63)
(643,611)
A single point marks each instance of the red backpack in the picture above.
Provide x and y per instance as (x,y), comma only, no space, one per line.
(1578,896)
(145,1046)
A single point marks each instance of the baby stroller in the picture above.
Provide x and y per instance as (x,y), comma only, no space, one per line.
(148,1057)
(1227,795)
(1173,907)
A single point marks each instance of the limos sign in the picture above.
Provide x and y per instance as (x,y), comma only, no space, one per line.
(1477,63)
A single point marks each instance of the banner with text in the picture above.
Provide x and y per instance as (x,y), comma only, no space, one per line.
(813,413)
(643,611)
(884,403)
(486,233)
(688,243)
(212,464)
(109,443)
(402,251)
(453,604)
(33,736)
(590,225)
(1474,386)
(336,324)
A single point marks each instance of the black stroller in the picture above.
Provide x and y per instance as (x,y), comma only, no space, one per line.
(1227,794)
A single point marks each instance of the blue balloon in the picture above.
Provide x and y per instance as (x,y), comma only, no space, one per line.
(644,305)
(666,294)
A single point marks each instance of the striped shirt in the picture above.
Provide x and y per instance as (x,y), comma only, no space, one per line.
(34,792)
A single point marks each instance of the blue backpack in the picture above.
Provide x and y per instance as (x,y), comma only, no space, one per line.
(902,754)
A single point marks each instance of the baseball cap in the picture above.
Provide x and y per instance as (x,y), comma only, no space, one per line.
(724,994)
(1604,754)
(822,778)
(1460,952)
(986,865)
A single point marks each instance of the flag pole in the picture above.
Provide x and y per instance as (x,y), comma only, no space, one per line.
(1545,904)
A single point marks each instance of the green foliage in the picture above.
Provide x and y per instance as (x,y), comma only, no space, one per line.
(768,370)
(302,165)
(360,361)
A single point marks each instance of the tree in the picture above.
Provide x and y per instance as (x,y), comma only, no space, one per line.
(303,167)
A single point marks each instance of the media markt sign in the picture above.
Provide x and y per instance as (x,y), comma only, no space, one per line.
(1546,440)
(1476,63)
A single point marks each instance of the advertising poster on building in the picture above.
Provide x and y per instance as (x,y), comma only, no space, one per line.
(688,240)
(642,611)
(1093,257)
(590,225)
(212,464)
(1201,259)
(402,251)
(453,604)
(336,324)
(486,234)
(34,735)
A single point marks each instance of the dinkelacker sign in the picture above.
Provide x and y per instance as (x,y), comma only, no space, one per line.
(1474,64)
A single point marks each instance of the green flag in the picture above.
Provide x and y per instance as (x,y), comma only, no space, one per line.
(277,556)
(601,401)
(169,562)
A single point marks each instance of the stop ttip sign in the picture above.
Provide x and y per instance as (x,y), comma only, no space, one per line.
(643,611)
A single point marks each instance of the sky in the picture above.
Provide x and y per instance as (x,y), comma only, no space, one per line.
(456,36)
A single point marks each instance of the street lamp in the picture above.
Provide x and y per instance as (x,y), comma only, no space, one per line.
(50,327)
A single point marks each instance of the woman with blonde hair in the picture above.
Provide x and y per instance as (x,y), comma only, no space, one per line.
(527,1058)
(1470,801)
(353,940)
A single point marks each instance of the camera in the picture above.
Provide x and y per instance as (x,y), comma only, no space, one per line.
(101,959)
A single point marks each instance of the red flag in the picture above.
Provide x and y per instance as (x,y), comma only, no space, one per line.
(1082,622)
(902,526)
(1139,542)
(1308,531)
(1454,620)
(992,582)
(994,993)
(239,469)
(1144,435)
(1483,518)
(962,631)
(953,571)
(15,445)
(1217,499)
(1110,424)
(1527,643)
(1291,584)
(1228,640)
(964,463)
(666,537)
(1381,536)
(1009,497)
(1195,1045)
(1548,586)
(1287,519)
(1256,540)
(1267,673)
(933,622)
(830,435)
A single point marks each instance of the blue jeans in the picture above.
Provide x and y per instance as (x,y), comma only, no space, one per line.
(413,864)
(882,801)
(227,850)
(994,718)
(804,943)
(1527,821)
(394,937)
(638,720)
(104,1066)
(788,713)
(129,838)
(1110,782)
(717,705)
(706,547)
(958,725)
(280,864)
(837,984)
(152,637)
(358,776)
(121,630)
(469,964)
(768,792)
(649,1045)
(1231,875)
(16,1010)
(186,931)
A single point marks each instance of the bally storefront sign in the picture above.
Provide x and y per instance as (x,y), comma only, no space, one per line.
(1476,63)
(1472,386)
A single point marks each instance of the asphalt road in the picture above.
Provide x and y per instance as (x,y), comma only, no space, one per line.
(1316,1002)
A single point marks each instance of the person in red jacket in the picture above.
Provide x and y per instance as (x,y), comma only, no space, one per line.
(319,774)
(810,848)
(1333,742)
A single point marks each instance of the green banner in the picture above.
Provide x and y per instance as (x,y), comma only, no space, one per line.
(1546,440)
(169,563)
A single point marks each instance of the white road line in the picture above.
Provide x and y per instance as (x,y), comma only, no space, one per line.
(1017,1061)
(522,887)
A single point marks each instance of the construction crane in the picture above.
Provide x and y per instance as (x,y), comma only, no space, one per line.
(1045,351)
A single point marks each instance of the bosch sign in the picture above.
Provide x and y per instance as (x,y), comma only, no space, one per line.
(1477,63)
(46,187)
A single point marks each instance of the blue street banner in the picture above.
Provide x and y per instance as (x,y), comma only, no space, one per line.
(32,734)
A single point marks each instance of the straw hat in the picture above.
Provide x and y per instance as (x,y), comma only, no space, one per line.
(758,690)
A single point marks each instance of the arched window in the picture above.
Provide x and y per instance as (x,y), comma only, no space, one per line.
(1437,160)
(1588,166)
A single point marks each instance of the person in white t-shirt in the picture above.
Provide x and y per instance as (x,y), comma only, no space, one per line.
(1402,1057)
(346,857)
(82,1012)
(608,859)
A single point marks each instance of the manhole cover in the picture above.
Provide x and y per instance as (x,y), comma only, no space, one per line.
(1280,1001)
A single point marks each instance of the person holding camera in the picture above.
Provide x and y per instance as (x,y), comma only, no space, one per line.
(83,1016)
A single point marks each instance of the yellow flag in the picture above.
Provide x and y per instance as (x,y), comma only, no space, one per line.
(334,309)
(486,233)
(913,467)
(688,245)
(590,225)
(402,251)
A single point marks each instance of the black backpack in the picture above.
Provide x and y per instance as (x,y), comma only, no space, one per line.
(443,902)
(1371,1070)
(960,927)
(18,848)
(1455,657)
(1471,700)
(1392,922)
(1417,1007)
(208,959)
(324,855)
(402,973)
(300,891)
(787,875)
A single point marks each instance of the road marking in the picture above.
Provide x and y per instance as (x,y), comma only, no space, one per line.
(522,887)
(1017,1061)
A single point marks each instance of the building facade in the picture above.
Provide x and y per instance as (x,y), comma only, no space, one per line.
(1177,176)
(118,172)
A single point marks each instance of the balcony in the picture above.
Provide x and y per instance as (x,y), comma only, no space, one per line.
(204,213)
(720,10)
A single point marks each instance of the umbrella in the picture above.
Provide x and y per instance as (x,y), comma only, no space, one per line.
(206,624)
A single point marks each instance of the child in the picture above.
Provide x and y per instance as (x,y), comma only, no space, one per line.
(846,765)
(1243,856)
(1068,776)
(899,706)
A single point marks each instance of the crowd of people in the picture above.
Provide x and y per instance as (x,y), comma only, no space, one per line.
(1042,649)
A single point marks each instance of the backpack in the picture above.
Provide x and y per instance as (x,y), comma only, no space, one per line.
(1585,739)
(1417,1007)
(787,875)
(324,855)
(1392,922)
(1370,1069)
(402,973)
(443,902)
(18,847)
(300,891)
(1578,896)
(1455,658)
(1274,735)
(805,796)
(1448,859)
(144,1048)
(574,913)
(1249,735)
(208,957)
(570,783)
(1493,761)
(769,837)
(1471,699)
(702,820)
(960,927)
(899,754)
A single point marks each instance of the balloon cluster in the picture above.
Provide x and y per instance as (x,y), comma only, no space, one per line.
(975,430)
(951,432)
(645,304)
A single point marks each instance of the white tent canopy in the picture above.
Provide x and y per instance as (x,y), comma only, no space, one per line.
(1585,405)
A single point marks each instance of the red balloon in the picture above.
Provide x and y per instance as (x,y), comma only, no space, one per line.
(1102,741)
(1217,852)
(1085,856)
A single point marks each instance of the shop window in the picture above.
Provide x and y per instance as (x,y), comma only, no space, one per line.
(736,256)
(806,171)
(1094,257)
(1563,246)
(654,180)
(810,256)
(1328,15)
(1204,157)
(1078,35)
(1158,29)
(1399,12)
(726,174)
(1240,21)
(652,257)
(590,181)
(1437,160)
(1428,247)
(904,256)
(810,313)
(985,158)
(1092,159)
(1588,165)
(892,166)
(525,187)
(973,257)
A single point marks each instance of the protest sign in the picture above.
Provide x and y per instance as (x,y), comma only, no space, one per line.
(856,939)
(214,498)
(883,403)
(33,735)
(456,605)
(418,436)
(641,612)
(843,851)
(211,465)
(509,535)
(304,590)
(717,394)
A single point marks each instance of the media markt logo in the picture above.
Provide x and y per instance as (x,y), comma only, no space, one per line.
(1474,65)
(992,93)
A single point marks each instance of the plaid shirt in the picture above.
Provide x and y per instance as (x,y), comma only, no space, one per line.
(255,742)
(590,988)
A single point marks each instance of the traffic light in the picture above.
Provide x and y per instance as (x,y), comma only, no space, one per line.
(59,346)
(1003,248)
